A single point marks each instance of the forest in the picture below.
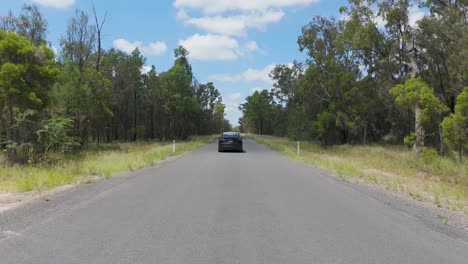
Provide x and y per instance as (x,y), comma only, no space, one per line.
(374,75)
(88,95)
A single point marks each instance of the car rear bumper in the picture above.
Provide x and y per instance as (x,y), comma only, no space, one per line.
(230,146)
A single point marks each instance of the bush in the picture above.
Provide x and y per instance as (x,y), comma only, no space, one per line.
(455,126)
(410,140)
(429,155)
(54,135)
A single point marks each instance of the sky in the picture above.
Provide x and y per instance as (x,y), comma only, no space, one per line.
(234,44)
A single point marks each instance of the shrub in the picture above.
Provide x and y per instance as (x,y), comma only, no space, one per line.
(429,155)
(410,140)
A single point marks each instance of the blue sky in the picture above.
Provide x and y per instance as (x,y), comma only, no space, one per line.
(232,43)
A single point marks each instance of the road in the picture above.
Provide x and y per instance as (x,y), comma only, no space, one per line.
(210,207)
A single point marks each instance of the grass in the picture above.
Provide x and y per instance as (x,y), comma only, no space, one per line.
(103,161)
(439,180)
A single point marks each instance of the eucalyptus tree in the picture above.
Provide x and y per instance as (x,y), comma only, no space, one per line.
(443,35)
(30,23)
(79,41)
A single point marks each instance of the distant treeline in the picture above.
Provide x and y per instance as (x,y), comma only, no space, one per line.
(90,95)
(374,76)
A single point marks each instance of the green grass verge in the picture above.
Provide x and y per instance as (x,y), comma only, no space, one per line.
(442,181)
(100,161)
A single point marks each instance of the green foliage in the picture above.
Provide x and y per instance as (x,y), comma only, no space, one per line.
(258,111)
(27,73)
(90,94)
(54,134)
(429,155)
(416,92)
(410,140)
(347,91)
(325,127)
(455,126)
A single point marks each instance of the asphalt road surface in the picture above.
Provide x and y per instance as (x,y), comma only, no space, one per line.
(210,207)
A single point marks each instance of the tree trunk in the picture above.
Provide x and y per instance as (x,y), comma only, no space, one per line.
(364,138)
(419,130)
(126,122)
(441,139)
(98,132)
(460,150)
(135,115)
(259,127)
(3,125)
(11,122)
(99,37)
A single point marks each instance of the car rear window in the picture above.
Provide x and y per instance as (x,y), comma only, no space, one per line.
(230,135)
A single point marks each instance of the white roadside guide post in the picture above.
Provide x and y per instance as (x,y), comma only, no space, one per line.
(173,146)
(298,148)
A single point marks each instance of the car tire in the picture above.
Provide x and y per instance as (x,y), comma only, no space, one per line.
(220,150)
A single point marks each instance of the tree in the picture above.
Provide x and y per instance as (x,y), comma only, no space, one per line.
(99,26)
(92,95)
(183,106)
(455,126)
(257,110)
(396,13)
(286,78)
(9,23)
(72,97)
(212,108)
(333,85)
(27,74)
(30,24)
(78,44)
(417,95)
(443,34)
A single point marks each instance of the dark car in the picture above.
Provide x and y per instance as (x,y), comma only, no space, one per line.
(230,141)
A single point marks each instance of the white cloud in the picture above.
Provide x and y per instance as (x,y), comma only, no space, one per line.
(234,96)
(151,49)
(145,69)
(233,113)
(380,22)
(211,47)
(182,15)
(54,49)
(220,6)
(249,75)
(251,46)
(236,25)
(415,14)
(215,47)
(61,4)
(344,17)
